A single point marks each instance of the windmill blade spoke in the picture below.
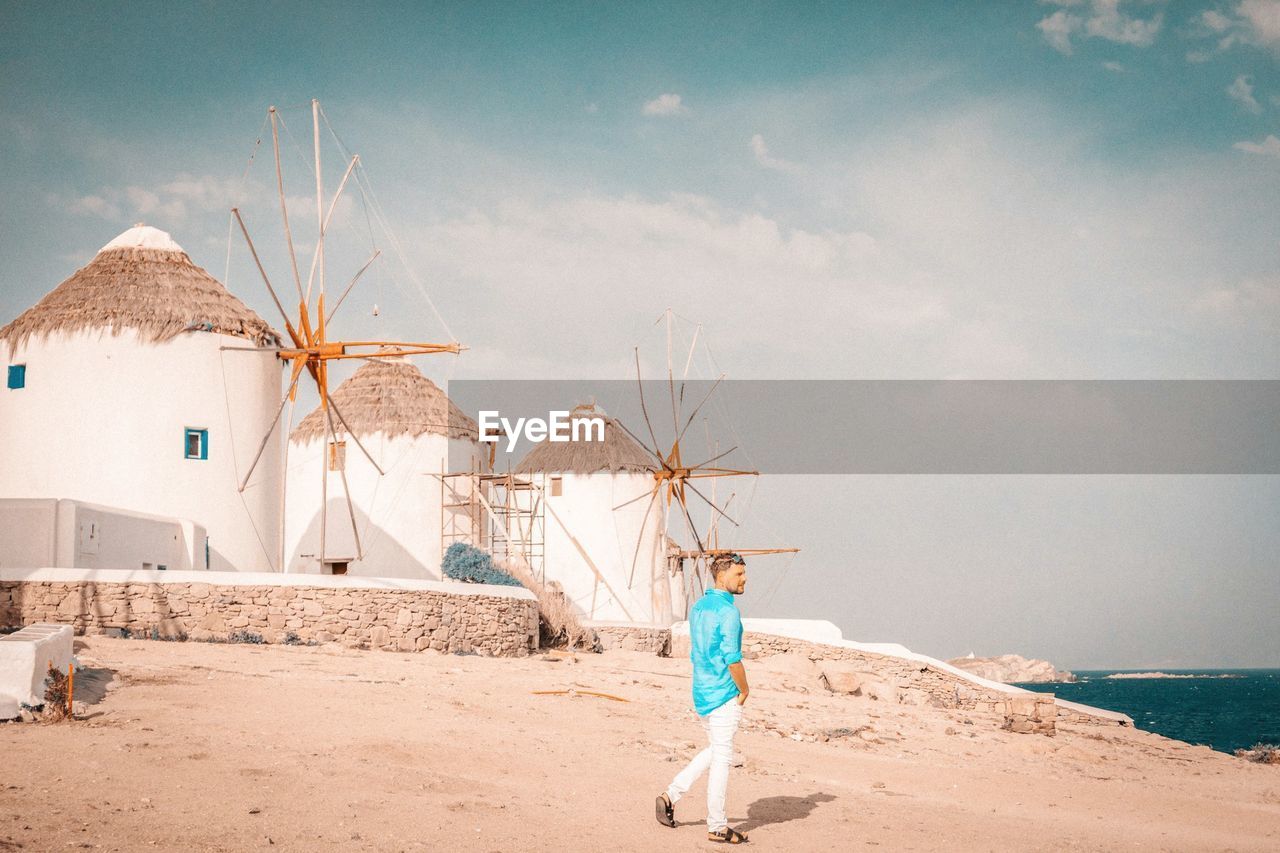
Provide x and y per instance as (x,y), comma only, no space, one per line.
(692,345)
(714,458)
(662,463)
(346,490)
(635,558)
(675,409)
(274,297)
(702,403)
(284,207)
(723,472)
(724,514)
(693,531)
(643,409)
(324,226)
(638,497)
(267,438)
(353,281)
(355,438)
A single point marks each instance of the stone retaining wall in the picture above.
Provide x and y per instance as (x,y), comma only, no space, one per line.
(395,619)
(636,638)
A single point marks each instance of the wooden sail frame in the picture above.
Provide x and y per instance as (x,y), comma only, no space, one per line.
(673,476)
(312,350)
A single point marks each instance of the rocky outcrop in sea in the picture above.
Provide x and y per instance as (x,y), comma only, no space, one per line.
(1012,669)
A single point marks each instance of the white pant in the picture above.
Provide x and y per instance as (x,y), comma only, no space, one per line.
(721,725)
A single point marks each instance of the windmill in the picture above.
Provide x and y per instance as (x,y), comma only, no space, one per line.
(311,349)
(673,476)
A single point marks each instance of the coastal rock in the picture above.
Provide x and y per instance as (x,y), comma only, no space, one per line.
(792,670)
(1012,669)
(880,691)
(842,676)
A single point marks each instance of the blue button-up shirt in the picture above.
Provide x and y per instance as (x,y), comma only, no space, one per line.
(715,642)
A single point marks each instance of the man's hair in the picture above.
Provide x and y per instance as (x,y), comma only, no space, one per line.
(724,561)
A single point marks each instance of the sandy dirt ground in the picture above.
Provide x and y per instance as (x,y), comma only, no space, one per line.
(235,747)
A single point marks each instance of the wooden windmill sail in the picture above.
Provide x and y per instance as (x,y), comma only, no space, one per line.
(310,348)
(673,476)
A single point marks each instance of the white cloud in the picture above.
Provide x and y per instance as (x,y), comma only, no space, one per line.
(1262,17)
(1241,91)
(94,205)
(1252,301)
(1108,22)
(1269,147)
(1215,21)
(1113,66)
(205,191)
(1256,22)
(768,161)
(550,264)
(666,104)
(1058,29)
(172,203)
(1104,20)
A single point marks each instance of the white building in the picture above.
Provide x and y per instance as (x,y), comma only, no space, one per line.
(611,560)
(413,432)
(119,393)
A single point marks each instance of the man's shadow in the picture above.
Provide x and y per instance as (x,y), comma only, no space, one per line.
(770,810)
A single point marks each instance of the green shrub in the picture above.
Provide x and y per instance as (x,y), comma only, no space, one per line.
(466,563)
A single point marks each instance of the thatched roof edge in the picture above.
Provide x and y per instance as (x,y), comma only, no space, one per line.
(158,293)
(392,397)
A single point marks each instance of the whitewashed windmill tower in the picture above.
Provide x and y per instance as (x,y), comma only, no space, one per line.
(119,392)
(611,563)
(311,351)
(413,433)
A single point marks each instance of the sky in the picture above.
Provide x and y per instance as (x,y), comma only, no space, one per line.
(1052,190)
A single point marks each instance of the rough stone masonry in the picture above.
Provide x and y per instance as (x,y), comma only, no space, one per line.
(392,619)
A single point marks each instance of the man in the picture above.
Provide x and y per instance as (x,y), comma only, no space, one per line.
(719,691)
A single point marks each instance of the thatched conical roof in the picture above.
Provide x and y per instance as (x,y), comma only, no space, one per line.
(390,396)
(618,451)
(140,280)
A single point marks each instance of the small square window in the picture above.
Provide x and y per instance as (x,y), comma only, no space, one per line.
(17,376)
(196,443)
(557,486)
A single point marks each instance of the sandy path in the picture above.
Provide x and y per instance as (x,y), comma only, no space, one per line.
(207,747)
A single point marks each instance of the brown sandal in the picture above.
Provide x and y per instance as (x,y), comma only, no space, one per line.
(665,810)
(728,835)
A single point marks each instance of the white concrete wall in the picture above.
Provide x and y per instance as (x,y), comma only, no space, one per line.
(74,534)
(584,515)
(25,657)
(101,420)
(398,514)
(29,532)
(47,574)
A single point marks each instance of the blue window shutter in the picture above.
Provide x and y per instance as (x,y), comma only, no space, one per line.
(17,376)
(201,449)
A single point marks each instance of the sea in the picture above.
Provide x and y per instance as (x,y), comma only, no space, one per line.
(1226,709)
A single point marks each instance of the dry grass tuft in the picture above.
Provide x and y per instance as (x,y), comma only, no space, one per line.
(559,626)
(55,697)
(1262,753)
